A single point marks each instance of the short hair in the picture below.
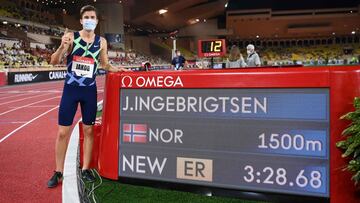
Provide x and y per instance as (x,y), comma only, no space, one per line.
(88,8)
(250,46)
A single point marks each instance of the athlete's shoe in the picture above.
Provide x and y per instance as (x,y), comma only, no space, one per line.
(55,179)
(87,176)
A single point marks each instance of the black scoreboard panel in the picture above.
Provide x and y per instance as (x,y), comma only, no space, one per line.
(211,48)
(270,140)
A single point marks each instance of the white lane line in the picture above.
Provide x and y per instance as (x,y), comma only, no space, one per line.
(40,84)
(27,105)
(11,92)
(12,96)
(16,93)
(41,106)
(31,91)
(13,122)
(99,91)
(38,91)
(28,88)
(49,88)
(32,85)
(70,191)
(24,99)
(27,123)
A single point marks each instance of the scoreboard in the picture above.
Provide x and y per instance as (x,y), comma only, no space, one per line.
(211,48)
(265,130)
(270,140)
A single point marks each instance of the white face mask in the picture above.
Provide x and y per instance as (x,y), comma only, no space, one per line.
(89,24)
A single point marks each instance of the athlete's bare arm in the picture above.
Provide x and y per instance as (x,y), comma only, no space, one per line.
(104,59)
(66,45)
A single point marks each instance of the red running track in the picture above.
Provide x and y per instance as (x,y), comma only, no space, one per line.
(28,126)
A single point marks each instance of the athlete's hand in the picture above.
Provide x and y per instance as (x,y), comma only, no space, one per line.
(121,69)
(111,68)
(65,40)
(117,69)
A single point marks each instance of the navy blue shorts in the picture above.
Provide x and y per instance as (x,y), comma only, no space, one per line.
(71,97)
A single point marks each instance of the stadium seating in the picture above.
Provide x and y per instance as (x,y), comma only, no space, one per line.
(18,57)
(318,55)
(332,54)
(310,55)
(12,10)
(135,59)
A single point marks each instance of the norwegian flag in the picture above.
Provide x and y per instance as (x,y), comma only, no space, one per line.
(135,133)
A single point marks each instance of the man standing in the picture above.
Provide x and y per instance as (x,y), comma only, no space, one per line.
(178,61)
(83,50)
(253,59)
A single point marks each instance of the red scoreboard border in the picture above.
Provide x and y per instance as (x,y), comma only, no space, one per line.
(342,81)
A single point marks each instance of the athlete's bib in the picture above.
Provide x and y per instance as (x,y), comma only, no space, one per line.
(83,66)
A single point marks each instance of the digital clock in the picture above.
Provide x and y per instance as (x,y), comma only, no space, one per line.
(310,180)
(211,48)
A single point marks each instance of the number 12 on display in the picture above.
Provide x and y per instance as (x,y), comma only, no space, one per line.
(215,46)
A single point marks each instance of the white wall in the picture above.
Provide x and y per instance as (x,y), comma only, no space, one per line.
(35,45)
(44,39)
(139,43)
(8,43)
(201,29)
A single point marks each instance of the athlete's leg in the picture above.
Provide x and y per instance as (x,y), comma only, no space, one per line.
(61,146)
(88,144)
(67,110)
(88,111)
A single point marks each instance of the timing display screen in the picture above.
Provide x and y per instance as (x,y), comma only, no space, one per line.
(211,48)
(263,140)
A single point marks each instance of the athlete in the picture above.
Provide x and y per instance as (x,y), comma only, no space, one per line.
(85,52)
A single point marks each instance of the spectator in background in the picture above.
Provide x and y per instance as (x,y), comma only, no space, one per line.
(253,58)
(178,62)
(235,59)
